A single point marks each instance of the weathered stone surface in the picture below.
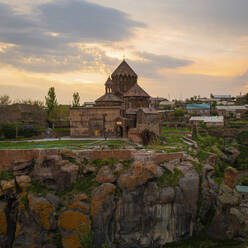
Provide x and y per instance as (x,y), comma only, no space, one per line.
(23,167)
(73,220)
(23,179)
(35,218)
(99,196)
(167,195)
(81,197)
(71,240)
(105,175)
(230,221)
(189,185)
(230,177)
(82,206)
(89,169)
(142,221)
(138,175)
(53,199)
(54,172)
(8,185)
(137,213)
(43,211)
(3,219)
(102,210)
(118,167)
(228,196)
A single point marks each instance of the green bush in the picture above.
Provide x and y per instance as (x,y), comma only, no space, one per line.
(6,175)
(169,179)
(9,130)
(179,112)
(27,131)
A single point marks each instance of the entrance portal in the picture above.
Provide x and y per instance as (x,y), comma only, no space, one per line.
(119,131)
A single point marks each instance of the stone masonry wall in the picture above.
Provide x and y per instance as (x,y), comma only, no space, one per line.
(8,157)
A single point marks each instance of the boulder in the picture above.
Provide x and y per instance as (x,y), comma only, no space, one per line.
(72,224)
(138,175)
(230,177)
(42,211)
(102,211)
(3,219)
(105,175)
(82,206)
(54,172)
(23,167)
(81,197)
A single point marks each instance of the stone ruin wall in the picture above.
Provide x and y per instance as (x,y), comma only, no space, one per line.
(8,157)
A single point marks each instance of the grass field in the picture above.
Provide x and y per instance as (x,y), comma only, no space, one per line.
(173,137)
(68,144)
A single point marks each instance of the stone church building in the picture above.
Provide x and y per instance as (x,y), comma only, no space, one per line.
(122,110)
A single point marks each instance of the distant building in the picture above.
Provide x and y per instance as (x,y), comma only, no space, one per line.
(243,192)
(124,106)
(164,104)
(229,111)
(155,101)
(198,109)
(222,97)
(210,121)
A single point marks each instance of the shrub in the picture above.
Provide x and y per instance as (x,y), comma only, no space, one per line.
(148,137)
(179,112)
(6,175)
(9,130)
(170,179)
(27,131)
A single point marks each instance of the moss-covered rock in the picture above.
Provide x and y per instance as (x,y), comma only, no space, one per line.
(43,209)
(71,240)
(73,220)
(138,175)
(100,195)
(228,196)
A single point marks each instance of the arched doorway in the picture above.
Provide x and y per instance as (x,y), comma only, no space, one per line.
(119,131)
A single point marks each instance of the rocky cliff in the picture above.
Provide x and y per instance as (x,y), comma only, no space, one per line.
(61,199)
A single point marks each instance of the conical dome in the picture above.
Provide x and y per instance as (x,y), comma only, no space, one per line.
(124,70)
(109,82)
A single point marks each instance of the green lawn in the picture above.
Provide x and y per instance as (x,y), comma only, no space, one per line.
(68,144)
(173,137)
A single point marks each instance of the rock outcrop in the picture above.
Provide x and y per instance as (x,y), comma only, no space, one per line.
(55,200)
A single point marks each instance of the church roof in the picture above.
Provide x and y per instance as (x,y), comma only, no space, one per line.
(136,90)
(109,97)
(124,70)
(109,81)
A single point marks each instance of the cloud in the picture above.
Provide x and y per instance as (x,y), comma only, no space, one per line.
(43,40)
(152,64)
(219,17)
(86,21)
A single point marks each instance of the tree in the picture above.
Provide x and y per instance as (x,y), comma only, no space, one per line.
(76,100)
(5,100)
(51,100)
(51,105)
(179,112)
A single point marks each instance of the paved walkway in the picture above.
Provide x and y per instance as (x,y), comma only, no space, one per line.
(63,138)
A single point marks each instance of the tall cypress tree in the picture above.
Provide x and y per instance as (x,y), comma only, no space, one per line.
(76,100)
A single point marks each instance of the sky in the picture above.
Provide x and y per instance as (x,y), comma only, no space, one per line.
(178,48)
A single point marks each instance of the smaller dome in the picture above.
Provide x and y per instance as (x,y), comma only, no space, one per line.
(109,82)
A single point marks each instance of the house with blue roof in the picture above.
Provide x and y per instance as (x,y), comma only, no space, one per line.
(243,192)
(198,109)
